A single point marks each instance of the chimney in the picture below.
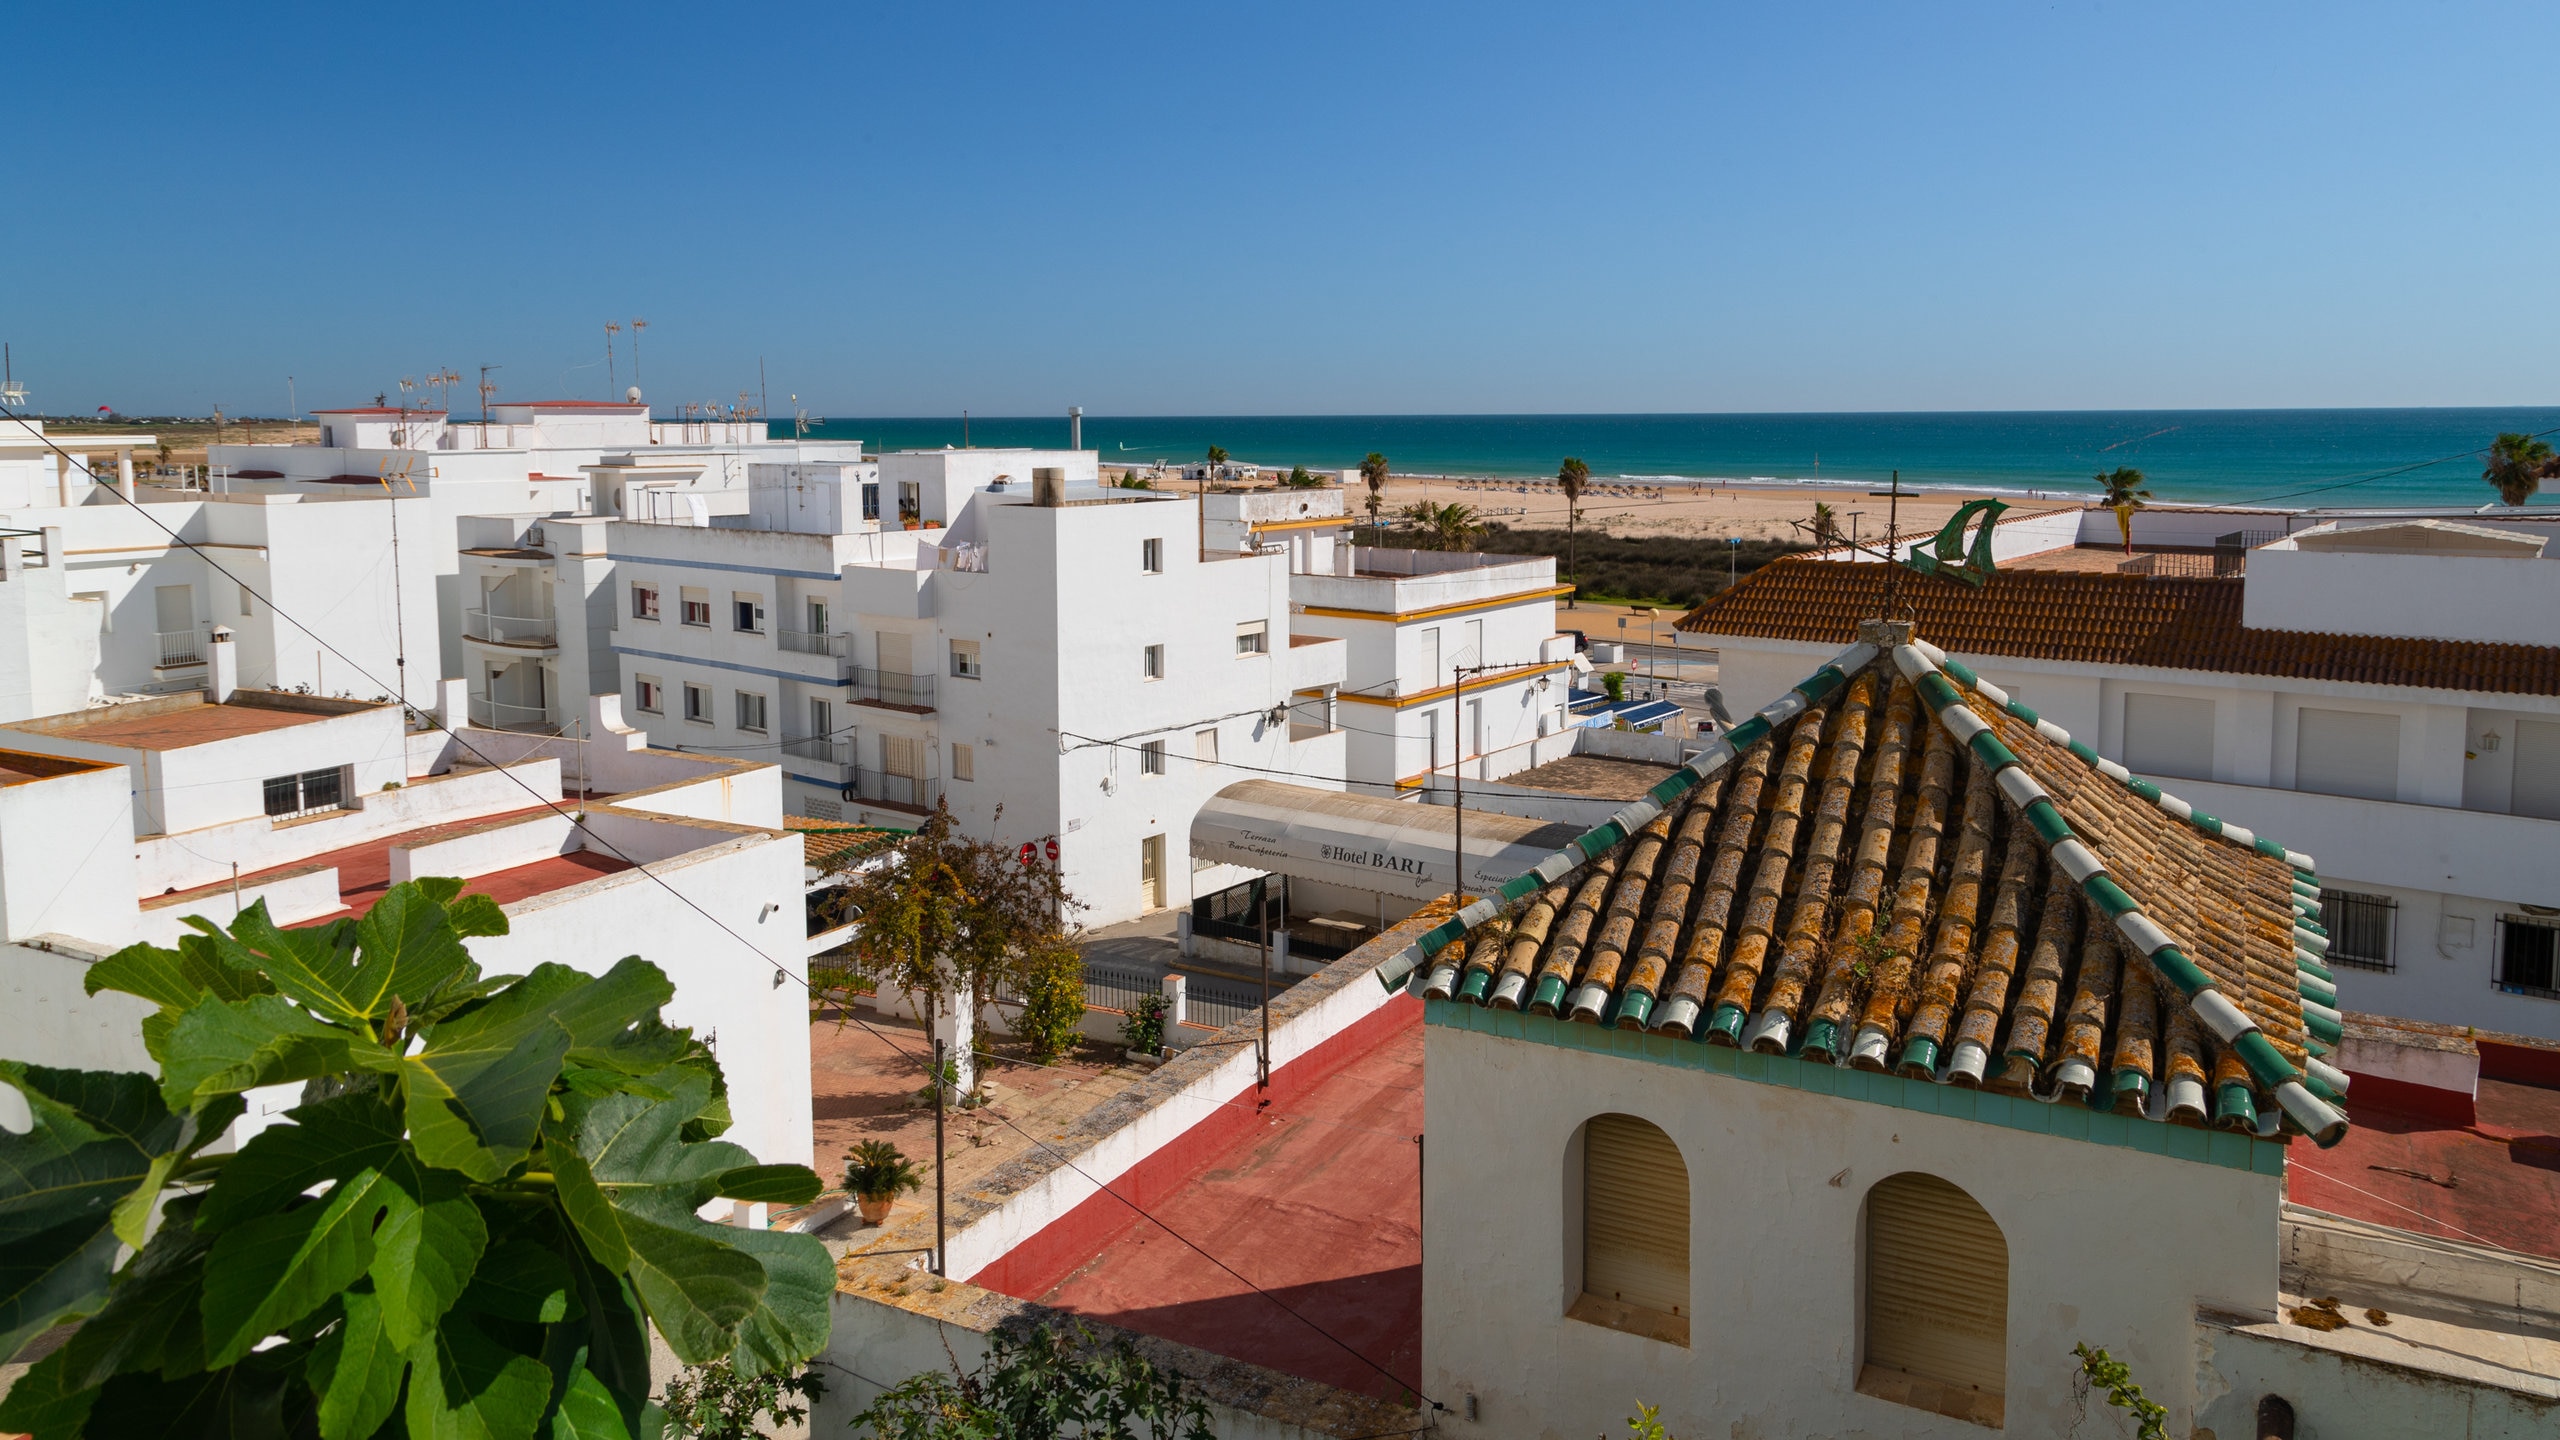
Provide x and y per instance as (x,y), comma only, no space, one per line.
(225,665)
(1048,485)
(1075,427)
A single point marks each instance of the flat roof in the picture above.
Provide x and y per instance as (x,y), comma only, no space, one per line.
(2494,1182)
(1597,775)
(17,767)
(364,870)
(176,722)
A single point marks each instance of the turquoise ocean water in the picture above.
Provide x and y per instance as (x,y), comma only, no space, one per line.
(2291,458)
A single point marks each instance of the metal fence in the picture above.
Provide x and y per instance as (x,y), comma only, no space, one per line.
(1219,1006)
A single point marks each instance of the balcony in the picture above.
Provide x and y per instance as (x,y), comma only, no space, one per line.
(892,690)
(499,715)
(810,642)
(180,647)
(522,632)
(831,754)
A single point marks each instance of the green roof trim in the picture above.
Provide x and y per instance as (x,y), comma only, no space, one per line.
(2225,1149)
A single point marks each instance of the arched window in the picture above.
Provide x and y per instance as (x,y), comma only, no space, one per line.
(1635,1230)
(1937,1334)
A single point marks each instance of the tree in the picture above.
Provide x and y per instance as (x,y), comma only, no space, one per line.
(715,1402)
(949,917)
(483,1204)
(1455,526)
(1572,477)
(1826,526)
(1217,459)
(2518,464)
(1423,518)
(1040,1383)
(1052,988)
(1300,478)
(2122,493)
(1373,473)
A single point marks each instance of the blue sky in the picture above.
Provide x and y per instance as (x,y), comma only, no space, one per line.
(1300,209)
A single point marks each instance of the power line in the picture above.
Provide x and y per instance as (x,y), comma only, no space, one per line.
(2380,474)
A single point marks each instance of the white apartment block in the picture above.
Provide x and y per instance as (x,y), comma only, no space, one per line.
(988,629)
(119,821)
(2380,691)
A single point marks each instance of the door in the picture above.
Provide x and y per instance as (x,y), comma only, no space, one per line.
(897,654)
(1475,727)
(817,617)
(174,615)
(822,725)
(1430,658)
(1151,872)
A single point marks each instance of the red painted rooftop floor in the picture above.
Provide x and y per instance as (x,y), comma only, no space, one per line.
(364,871)
(2494,1182)
(1317,1204)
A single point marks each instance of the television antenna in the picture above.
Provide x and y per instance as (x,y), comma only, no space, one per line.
(12,394)
(487,389)
(637,325)
(611,329)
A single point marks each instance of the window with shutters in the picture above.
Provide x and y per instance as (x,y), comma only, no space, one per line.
(1635,1230)
(1937,1303)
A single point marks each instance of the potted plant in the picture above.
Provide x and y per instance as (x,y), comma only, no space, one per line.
(876,1173)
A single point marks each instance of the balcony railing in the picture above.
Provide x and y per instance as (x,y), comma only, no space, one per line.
(180,647)
(833,754)
(889,687)
(812,642)
(495,629)
(499,715)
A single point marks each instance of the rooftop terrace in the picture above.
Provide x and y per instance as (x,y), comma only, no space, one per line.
(178,721)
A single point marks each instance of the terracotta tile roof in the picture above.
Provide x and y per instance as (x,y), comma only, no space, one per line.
(2170,623)
(1897,867)
(824,840)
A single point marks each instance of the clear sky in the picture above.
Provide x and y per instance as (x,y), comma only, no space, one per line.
(1299,208)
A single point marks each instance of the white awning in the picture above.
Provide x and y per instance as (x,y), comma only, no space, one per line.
(1394,847)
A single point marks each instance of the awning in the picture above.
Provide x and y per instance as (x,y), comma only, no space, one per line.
(1394,847)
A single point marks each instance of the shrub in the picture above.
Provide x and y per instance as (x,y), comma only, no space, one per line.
(1052,1000)
(1615,682)
(1039,1383)
(1142,1029)
(715,1402)
(485,1199)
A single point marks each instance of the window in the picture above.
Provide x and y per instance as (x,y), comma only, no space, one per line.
(964,761)
(1635,1230)
(750,711)
(2170,735)
(1253,637)
(746,613)
(697,704)
(871,501)
(822,718)
(1151,664)
(817,617)
(964,659)
(2347,752)
(1937,1300)
(647,695)
(1204,747)
(2529,955)
(2359,928)
(1151,556)
(1429,657)
(312,790)
(697,606)
(644,602)
(1151,758)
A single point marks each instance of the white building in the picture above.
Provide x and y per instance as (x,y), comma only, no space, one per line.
(1911,1046)
(989,629)
(118,821)
(2382,690)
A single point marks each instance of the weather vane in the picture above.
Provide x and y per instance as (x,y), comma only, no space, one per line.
(1946,557)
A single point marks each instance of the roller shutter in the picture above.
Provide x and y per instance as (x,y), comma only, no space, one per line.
(1635,1216)
(1937,1285)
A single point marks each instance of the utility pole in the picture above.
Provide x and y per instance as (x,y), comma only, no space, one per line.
(1262,934)
(487,390)
(938,1152)
(1458,777)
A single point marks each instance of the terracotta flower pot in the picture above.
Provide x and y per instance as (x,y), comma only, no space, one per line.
(874,1209)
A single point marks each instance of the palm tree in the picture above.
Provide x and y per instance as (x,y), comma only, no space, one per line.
(1456,526)
(2518,464)
(1373,473)
(2124,495)
(1572,477)
(1424,518)
(1217,457)
(1826,526)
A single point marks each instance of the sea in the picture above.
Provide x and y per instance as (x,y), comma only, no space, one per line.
(2294,459)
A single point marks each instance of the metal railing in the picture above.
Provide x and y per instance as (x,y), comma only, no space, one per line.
(824,750)
(1115,989)
(811,642)
(889,687)
(181,647)
(499,715)
(495,629)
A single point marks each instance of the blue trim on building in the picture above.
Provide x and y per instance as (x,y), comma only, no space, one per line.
(728,665)
(715,565)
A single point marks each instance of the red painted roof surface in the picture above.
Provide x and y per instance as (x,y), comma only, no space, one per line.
(2494,1182)
(381,410)
(364,871)
(1319,1204)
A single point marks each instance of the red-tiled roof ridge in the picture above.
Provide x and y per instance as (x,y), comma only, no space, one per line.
(2237,970)
(2170,623)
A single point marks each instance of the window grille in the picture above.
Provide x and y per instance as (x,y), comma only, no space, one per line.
(2360,928)
(308,793)
(2529,955)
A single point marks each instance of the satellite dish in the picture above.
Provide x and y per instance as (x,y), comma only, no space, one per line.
(632,395)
